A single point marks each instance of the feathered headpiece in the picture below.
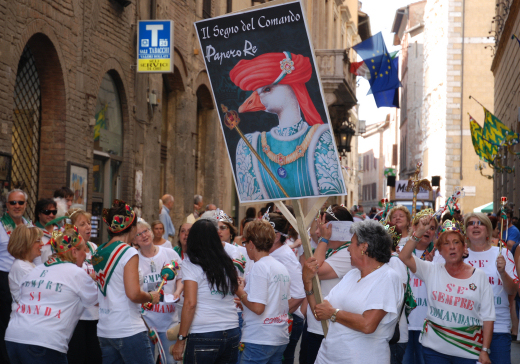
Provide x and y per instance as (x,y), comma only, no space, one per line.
(119,223)
(62,242)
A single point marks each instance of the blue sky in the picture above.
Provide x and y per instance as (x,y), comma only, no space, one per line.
(381,14)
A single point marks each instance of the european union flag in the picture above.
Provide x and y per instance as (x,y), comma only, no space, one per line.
(388,98)
(384,74)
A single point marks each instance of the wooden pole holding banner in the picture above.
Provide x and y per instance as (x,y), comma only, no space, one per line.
(302,222)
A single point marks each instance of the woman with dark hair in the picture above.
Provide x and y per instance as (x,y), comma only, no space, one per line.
(209,314)
(44,212)
(333,258)
(250,214)
(282,252)
(264,299)
(363,308)
(122,334)
(461,313)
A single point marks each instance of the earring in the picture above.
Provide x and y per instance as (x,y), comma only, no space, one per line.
(362,252)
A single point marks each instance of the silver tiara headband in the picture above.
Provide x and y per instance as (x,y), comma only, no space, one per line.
(266,218)
(329,211)
(223,217)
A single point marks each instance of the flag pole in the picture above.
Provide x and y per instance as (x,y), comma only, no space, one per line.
(472,98)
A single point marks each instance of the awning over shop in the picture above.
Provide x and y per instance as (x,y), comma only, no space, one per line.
(484,208)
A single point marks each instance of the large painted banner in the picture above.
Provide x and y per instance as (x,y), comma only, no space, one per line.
(271,106)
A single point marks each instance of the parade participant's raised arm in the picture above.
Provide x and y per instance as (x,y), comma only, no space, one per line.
(406,254)
(366,303)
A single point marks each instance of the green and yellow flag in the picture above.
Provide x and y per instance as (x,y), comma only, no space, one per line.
(496,132)
(485,150)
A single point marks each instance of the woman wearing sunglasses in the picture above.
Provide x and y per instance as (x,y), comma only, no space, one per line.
(500,269)
(45,211)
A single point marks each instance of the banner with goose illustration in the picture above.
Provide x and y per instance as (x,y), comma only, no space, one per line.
(271,105)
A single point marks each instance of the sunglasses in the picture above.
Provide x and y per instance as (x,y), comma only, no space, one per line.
(12,203)
(48,212)
(142,232)
(223,227)
(472,223)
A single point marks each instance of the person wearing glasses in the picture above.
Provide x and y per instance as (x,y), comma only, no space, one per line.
(163,315)
(44,212)
(500,269)
(13,217)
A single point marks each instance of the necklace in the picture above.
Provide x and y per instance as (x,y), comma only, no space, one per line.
(331,252)
(373,270)
(298,152)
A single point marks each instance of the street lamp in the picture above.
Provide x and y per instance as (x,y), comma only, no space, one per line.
(346,132)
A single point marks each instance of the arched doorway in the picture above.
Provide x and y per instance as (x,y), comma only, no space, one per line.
(26,129)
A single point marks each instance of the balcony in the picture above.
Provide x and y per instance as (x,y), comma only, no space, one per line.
(339,84)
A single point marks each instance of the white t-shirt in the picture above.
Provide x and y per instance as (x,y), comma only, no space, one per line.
(285,255)
(486,261)
(380,290)
(340,262)
(167,244)
(268,283)
(118,316)
(91,313)
(163,315)
(300,251)
(51,301)
(215,311)
(6,259)
(418,314)
(396,264)
(403,241)
(19,270)
(454,302)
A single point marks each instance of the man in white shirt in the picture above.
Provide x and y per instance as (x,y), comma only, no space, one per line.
(164,216)
(16,205)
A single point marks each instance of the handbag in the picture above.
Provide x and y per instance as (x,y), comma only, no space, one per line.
(397,334)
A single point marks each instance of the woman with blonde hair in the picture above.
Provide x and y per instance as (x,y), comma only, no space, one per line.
(47,312)
(499,267)
(24,245)
(157,229)
(401,217)
(84,344)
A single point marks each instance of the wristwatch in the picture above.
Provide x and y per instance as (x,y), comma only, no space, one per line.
(486,350)
(333,317)
(181,338)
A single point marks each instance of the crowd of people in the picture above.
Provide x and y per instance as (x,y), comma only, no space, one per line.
(427,288)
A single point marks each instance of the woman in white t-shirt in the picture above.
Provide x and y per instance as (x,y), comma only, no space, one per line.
(152,258)
(363,307)
(461,312)
(84,345)
(424,251)
(52,297)
(24,245)
(501,273)
(122,333)
(158,232)
(334,262)
(265,299)
(209,318)
(282,252)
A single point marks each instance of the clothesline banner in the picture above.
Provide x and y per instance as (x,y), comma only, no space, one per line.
(270,102)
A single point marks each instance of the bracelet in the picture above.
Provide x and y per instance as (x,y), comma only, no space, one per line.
(242,296)
(151,297)
(309,293)
(414,237)
(322,239)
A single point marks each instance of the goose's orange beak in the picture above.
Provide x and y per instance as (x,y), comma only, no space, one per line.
(251,104)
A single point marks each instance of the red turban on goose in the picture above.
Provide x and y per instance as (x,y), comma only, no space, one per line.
(278,68)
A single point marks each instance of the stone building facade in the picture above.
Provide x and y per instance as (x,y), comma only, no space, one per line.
(506,69)
(72,101)
(456,64)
